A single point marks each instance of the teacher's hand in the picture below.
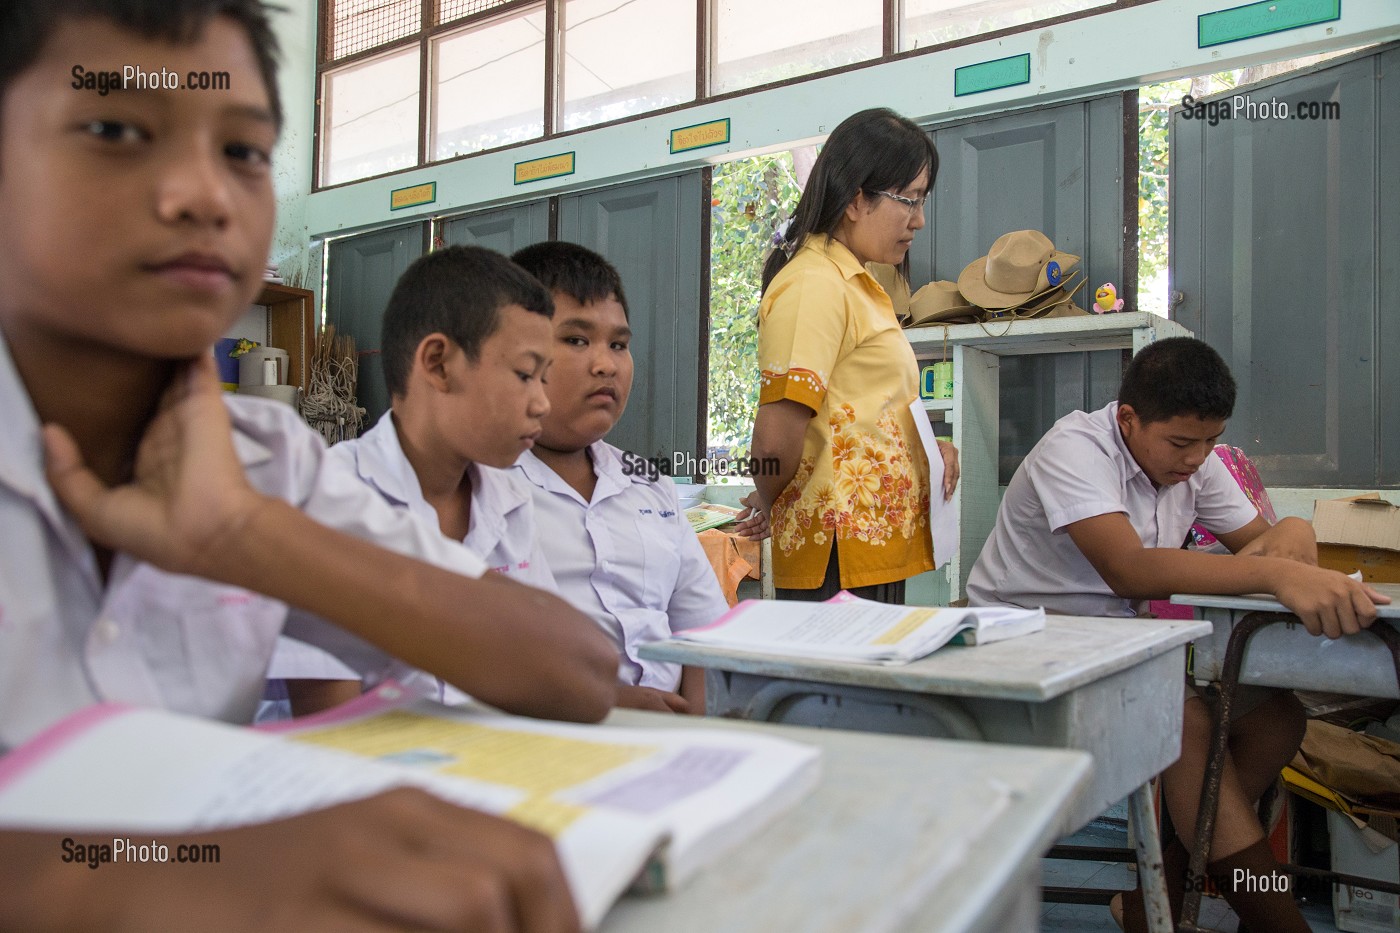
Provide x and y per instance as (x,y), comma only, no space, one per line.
(753,522)
(951,470)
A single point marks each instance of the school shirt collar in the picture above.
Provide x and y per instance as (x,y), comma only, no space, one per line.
(382,464)
(22,454)
(607,467)
(380,461)
(1130,464)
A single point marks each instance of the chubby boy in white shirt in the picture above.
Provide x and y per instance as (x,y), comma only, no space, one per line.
(1093,523)
(617,543)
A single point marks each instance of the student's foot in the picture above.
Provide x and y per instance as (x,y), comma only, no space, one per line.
(1115,907)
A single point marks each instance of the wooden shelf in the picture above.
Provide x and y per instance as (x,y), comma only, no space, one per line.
(291,327)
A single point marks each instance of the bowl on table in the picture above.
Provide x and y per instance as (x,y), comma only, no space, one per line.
(690,494)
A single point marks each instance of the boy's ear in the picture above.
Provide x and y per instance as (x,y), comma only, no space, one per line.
(431,357)
(1127,418)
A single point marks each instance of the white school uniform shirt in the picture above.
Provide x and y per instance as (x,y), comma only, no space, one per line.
(1079,469)
(629,559)
(502,529)
(501,532)
(151,638)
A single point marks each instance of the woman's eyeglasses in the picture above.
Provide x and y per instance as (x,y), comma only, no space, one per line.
(914,205)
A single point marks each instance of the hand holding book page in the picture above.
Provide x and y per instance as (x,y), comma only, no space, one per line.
(847,628)
(942,515)
(616,802)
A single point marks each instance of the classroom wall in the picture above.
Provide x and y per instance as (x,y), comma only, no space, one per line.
(1105,52)
(293,250)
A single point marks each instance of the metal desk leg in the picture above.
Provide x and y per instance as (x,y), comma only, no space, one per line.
(1148,840)
(1215,764)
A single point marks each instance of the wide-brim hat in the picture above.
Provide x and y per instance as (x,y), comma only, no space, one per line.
(894,285)
(1041,305)
(1020,266)
(940,303)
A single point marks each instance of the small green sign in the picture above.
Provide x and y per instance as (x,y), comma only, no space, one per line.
(989,76)
(1260,19)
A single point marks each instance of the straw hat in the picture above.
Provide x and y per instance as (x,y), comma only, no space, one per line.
(1057,302)
(940,303)
(1020,266)
(894,285)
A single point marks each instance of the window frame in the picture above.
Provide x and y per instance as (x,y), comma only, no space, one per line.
(705,38)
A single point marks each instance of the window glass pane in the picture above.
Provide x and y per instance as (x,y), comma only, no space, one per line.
(931,22)
(490,85)
(760,41)
(370,117)
(357,25)
(448,10)
(657,69)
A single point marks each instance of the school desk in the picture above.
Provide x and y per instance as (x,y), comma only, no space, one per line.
(1110,687)
(1255,640)
(900,834)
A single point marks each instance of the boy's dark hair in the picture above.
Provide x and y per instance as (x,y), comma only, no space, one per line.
(27,25)
(574,270)
(458,291)
(1178,376)
(873,150)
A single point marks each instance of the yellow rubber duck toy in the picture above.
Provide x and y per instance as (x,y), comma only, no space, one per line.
(1106,299)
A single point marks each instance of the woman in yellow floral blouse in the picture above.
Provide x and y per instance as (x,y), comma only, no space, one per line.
(849,503)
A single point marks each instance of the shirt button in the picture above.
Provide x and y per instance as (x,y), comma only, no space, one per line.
(108,630)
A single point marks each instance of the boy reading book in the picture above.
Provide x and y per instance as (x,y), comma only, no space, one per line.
(618,545)
(1092,524)
(155,532)
(466,342)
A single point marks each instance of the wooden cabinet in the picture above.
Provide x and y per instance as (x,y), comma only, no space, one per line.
(291,327)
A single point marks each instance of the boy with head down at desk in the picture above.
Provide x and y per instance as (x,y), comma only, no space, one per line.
(1093,524)
(156,532)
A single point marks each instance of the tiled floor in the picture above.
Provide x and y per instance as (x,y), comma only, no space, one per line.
(1089,918)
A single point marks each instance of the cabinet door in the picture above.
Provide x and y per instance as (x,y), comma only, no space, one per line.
(505,230)
(651,231)
(1058,170)
(1285,250)
(363,272)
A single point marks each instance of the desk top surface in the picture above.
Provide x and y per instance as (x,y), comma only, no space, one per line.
(898,831)
(1259,603)
(1071,652)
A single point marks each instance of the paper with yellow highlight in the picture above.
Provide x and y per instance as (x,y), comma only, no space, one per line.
(680,796)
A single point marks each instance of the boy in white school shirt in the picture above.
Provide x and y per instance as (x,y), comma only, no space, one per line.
(1093,523)
(466,340)
(617,543)
(126,477)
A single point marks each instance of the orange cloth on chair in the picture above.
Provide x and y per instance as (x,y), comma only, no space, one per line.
(732,557)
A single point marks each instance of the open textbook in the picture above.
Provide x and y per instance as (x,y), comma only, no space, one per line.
(709,515)
(847,628)
(626,808)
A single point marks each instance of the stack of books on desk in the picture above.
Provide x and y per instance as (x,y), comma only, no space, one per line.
(847,628)
(627,808)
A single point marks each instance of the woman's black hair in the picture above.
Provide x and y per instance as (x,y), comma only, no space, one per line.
(874,150)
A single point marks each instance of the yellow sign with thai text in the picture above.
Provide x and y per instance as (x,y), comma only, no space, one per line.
(548,167)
